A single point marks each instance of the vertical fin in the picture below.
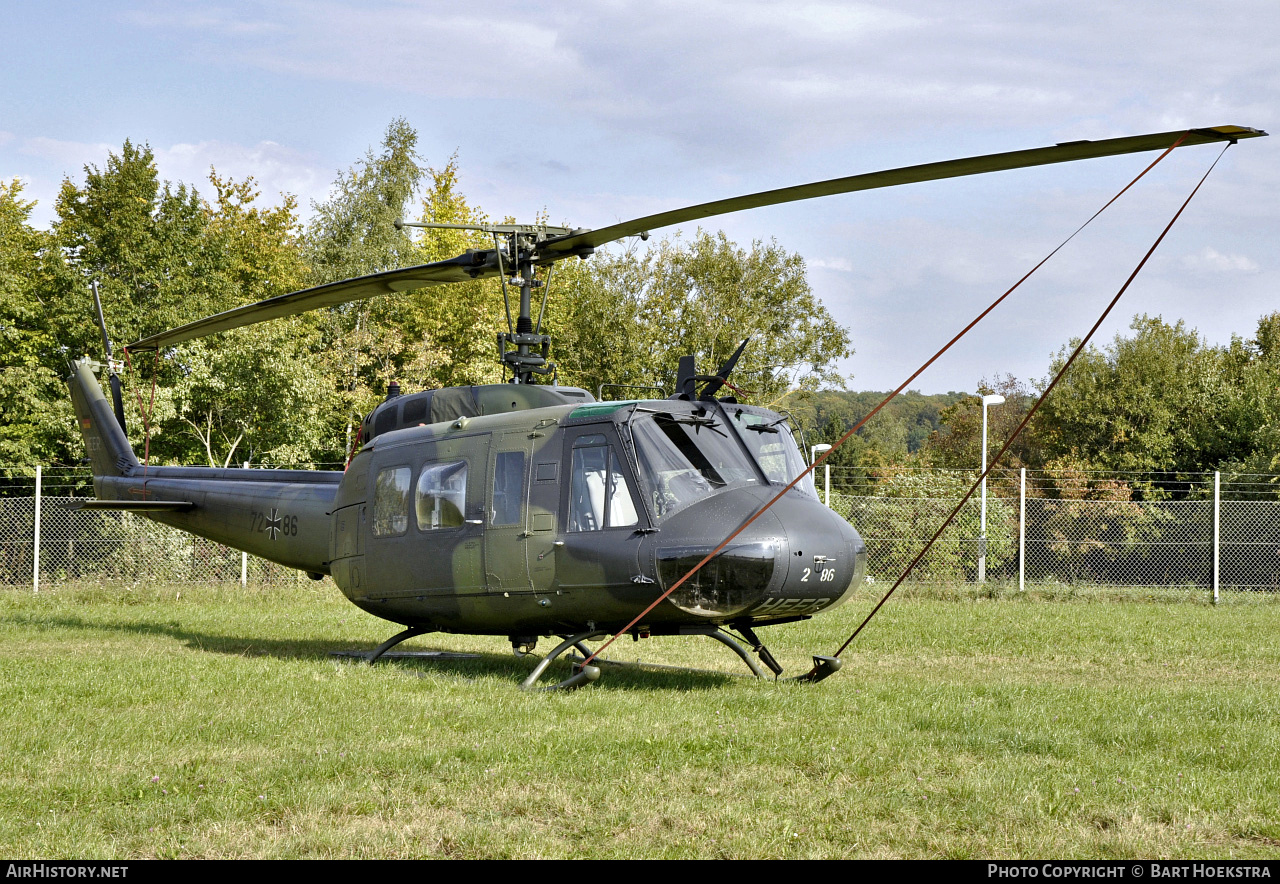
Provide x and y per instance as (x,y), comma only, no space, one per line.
(108,447)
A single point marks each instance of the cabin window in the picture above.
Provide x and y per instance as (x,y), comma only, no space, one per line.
(385,422)
(508,487)
(599,496)
(441,496)
(414,411)
(391,502)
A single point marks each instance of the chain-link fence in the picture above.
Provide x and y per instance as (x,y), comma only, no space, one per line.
(42,542)
(1041,528)
(1150,530)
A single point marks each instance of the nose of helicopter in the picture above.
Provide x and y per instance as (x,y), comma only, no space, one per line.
(796,559)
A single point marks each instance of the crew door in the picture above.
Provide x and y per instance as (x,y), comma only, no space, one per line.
(601,515)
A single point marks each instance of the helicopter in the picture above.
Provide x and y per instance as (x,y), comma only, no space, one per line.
(531,510)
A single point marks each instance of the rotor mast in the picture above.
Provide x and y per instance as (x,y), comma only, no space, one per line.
(522,347)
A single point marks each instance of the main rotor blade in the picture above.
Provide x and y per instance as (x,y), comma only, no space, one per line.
(460,269)
(483,263)
(996,162)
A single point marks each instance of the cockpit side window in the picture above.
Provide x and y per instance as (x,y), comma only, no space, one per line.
(599,495)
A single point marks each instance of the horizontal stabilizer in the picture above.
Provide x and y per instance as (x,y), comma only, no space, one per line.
(131,506)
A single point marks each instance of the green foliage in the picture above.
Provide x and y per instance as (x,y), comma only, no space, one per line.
(628,317)
(259,397)
(448,333)
(1164,400)
(144,242)
(353,232)
(162,255)
(958,443)
(430,338)
(1252,413)
(37,415)
(893,437)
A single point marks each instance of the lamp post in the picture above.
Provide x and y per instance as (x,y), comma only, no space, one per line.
(826,467)
(990,399)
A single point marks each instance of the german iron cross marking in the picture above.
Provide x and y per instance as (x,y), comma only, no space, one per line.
(273,523)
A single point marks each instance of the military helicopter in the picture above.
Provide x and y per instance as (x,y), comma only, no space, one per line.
(528,509)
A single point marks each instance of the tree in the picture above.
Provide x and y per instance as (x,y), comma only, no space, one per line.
(449,333)
(1146,403)
(353,233)
(255,394)
(163,255)
(256,398)
(37,416)
(957,444)
(627,318)
(1253,411)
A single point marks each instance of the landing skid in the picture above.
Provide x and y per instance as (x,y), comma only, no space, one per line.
(583,673)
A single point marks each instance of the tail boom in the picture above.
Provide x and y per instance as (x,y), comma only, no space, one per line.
(280,515)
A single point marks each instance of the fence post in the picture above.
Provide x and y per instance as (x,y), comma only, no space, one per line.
(244,556)
(1022,531)
(1217,501)
(35,547)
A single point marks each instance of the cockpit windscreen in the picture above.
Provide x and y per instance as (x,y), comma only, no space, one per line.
(684,456)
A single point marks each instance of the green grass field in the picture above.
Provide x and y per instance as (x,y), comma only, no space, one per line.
(181,721)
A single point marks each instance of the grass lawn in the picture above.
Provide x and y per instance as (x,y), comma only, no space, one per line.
(189,721)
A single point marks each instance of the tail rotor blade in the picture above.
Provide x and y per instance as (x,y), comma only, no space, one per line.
(117,398)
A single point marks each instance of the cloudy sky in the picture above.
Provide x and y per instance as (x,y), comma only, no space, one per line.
(602,111)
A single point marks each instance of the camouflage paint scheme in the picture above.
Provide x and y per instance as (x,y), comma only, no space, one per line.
(528,572)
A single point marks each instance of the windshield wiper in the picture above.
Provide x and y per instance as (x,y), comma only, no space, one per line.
(698,422)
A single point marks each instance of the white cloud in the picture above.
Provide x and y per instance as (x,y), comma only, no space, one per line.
(68,154)
(276,169)
(840,265)
(1210,260)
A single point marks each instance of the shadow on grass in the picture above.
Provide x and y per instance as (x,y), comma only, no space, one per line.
(467,665)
